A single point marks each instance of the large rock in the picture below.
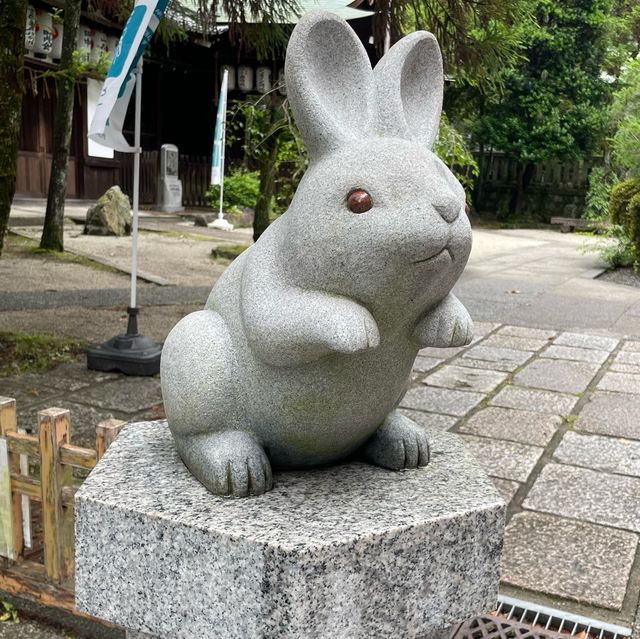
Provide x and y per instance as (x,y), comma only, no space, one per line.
(110,215)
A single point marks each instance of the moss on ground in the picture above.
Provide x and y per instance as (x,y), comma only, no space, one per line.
(21,246)
(30,352)
(228,251)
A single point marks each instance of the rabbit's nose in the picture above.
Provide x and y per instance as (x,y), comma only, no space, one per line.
(448,208)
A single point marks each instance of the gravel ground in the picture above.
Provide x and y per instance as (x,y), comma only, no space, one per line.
(28,629)
(625,275)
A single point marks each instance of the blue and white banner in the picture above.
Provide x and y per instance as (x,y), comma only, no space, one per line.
(217,158)
(106,126)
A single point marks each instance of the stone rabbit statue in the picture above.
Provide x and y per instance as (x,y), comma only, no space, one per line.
(306,344)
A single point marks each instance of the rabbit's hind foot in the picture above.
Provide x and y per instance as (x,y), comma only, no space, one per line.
(398,444)
(228,463)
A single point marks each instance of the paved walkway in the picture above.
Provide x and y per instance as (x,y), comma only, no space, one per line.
(547,397)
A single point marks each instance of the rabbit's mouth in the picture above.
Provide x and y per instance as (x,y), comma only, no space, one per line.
(445,252)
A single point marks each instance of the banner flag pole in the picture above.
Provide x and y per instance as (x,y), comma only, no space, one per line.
(217,157)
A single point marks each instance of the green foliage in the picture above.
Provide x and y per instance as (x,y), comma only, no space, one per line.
(259,123)
(621,196)
(477,37)
(633,226)
(621,243)
(241,190)
(554,102)
(601,181)
(452,149)
(24,352)
(8,612)
(626,116)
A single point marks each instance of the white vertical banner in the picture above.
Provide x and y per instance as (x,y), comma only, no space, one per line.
(217,158)
(108,119)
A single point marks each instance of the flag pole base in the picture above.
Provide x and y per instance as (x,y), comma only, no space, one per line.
(131,353)
(220,223)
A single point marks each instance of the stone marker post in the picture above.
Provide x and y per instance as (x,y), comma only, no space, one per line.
(169,186)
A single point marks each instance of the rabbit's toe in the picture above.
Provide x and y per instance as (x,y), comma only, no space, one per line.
(228,463)
(398,444)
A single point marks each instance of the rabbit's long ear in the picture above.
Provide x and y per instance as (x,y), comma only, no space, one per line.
(410,82)
(329,82)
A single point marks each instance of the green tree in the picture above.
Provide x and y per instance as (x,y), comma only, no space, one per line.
(626,117)
(13,17)
(553,105)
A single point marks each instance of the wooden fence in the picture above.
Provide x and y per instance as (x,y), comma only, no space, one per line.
(556,188)
(37,490)
(193,170)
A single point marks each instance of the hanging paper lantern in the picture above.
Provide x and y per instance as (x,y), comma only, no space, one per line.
(245,78)
(231,77)
(84,42)
(263,79)
(56,50)
(282,87)
(44,33)
(30,31)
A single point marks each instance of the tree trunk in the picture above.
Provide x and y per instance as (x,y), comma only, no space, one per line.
(13,16)
(267,181)
(524,176)
(52,233)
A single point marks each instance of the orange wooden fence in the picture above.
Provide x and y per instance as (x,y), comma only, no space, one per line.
(37,489)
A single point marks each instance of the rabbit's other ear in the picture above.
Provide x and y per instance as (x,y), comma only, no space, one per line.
(329,82)
(409,82)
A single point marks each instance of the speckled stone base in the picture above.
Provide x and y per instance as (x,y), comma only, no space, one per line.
(350,551)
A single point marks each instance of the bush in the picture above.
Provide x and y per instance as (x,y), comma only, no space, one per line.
(621,196)
(633,226)
(601,180)
(241,190)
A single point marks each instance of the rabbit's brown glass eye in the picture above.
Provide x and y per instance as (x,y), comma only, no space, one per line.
(359,201)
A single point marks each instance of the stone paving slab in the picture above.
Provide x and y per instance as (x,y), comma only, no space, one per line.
(506,488)
(580,340)
(524,331)
(425,364)
(628,357)
(575,354)
(537,400)
(480,329)
(504,366)
(631,346)
(625,368)
(557,375)
(620,382)
(84,419)
(430,420)
(571,559)
(515,343)
(521,426)
(441,400)
(609,454)
(440,353)
(461,378)
(498,355)
(587,495)
(506,460)
(128,395)
(613,414)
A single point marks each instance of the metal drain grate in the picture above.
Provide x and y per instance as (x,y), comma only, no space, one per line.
(515,619)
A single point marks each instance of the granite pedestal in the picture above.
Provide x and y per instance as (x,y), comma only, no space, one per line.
(350,551)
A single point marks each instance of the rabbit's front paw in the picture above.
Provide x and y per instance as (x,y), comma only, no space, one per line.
(448,324)
(228,463)
(351,329)
(398,444)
